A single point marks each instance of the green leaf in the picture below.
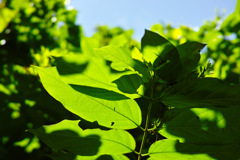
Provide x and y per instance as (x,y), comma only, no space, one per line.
(189,55)
(163,54)
(67,135)
(136,54)
(122,60)
(129,83)
(206,92)
(76,70)
(203,125)
(124,114)
(174,150)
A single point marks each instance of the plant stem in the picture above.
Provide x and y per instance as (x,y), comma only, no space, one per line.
(147,121)
(146,97)
(145,130)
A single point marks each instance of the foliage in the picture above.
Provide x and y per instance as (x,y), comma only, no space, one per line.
(158,99)
(105,96)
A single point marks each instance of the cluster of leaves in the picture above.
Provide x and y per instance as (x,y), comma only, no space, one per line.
(192,118)
(130,100)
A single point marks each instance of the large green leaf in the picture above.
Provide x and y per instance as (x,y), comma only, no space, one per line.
(67,135)
(174,150)
(122,59)
(189,53)
(76,70)
(203,125)
(206,92)
(123,114)
(163,54)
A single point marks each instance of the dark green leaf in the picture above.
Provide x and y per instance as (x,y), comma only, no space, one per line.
(190,55)
(153,45)
(163,54)
(206,92)
(203,125)
(129,83)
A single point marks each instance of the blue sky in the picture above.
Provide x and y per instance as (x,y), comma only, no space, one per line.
(142,14)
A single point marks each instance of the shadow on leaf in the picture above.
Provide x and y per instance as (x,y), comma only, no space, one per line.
(208,131)
(68,140)
(99,93)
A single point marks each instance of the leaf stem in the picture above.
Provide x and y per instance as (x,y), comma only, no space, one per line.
(141,128)
(144,155)
(147,121)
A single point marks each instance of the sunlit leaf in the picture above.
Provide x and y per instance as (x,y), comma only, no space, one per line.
(136,54)
(122,60)
(124,114)
(77,70)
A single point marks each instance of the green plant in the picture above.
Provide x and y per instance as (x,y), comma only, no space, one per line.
(154,104)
